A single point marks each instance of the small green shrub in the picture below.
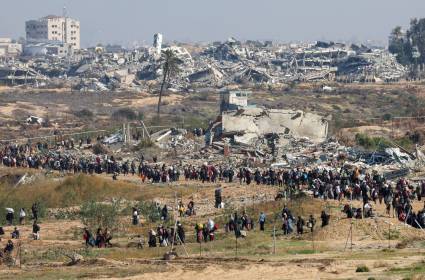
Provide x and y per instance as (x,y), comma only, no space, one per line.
(336,107)
(371,143)
(387,117)
(150,211)
(99,149)
(84,114)
(100,215)
(125,113)
(362,268)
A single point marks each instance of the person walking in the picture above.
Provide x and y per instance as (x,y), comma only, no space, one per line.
(10,216)
(36,231)
(34,210)
(135,216)
(262,220)
(22,215)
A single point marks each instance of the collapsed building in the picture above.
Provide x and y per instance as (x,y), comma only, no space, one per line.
(242,124)
(248,125)
(19,75)
(215,65)
(376,66)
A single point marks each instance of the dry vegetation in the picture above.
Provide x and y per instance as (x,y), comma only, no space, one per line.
(296,257)
(349,106)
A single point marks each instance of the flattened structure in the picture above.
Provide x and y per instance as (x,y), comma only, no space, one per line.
(248,124)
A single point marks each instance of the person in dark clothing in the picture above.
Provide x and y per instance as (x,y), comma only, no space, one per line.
(325,218)
(36,231)
(152,238)
(311,223)
(100,239)
(218,200)
(191,209)
(34,210)
(349,211)
(107,237)
(1,232)
(262,220)
(164,213)
(9,247)
(15,233)
(205,232)
(88,238)
(181,233)
(135,216)
(300,225)
(358,214)
(9,217)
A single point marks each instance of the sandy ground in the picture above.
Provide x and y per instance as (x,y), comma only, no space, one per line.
(334,263)
(32,109)
(149,100)
(333,260)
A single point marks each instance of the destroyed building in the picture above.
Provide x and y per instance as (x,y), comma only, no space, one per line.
(20,75)
(9,48)
(376,66)
(242,124)
(214,65)
(247,125)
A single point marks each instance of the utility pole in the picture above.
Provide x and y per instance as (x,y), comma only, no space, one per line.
(312,239)
(274,238)
(236,238)
(128,133)
(124,135)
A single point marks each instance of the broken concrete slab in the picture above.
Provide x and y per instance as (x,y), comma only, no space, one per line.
(256,122)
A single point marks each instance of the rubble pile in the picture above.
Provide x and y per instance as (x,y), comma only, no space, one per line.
(213,66)
(379,65)
(175,139)
(249,144)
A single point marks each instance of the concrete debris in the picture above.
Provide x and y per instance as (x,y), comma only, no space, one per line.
(19,75)
(114,138)
(114,68)
(250,126)
(25,179)
(252,123)
(175,139)
(245,136)
(210,76)
(375,66)
(34,120)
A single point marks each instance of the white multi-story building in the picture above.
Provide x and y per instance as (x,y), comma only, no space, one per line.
(54,28)
(9,48)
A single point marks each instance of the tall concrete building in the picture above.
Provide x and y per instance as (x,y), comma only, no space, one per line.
(54,28)
(157,43)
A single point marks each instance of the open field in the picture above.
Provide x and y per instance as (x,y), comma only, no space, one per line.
(348,106)
(326,255)
(387,248)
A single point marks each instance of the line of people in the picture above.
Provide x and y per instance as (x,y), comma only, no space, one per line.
(165,236)
(101,240)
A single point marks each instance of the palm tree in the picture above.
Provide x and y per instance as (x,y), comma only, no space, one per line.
(169,68)
(397,33)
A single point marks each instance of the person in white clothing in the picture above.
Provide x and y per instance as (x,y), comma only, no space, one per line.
(22,215)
